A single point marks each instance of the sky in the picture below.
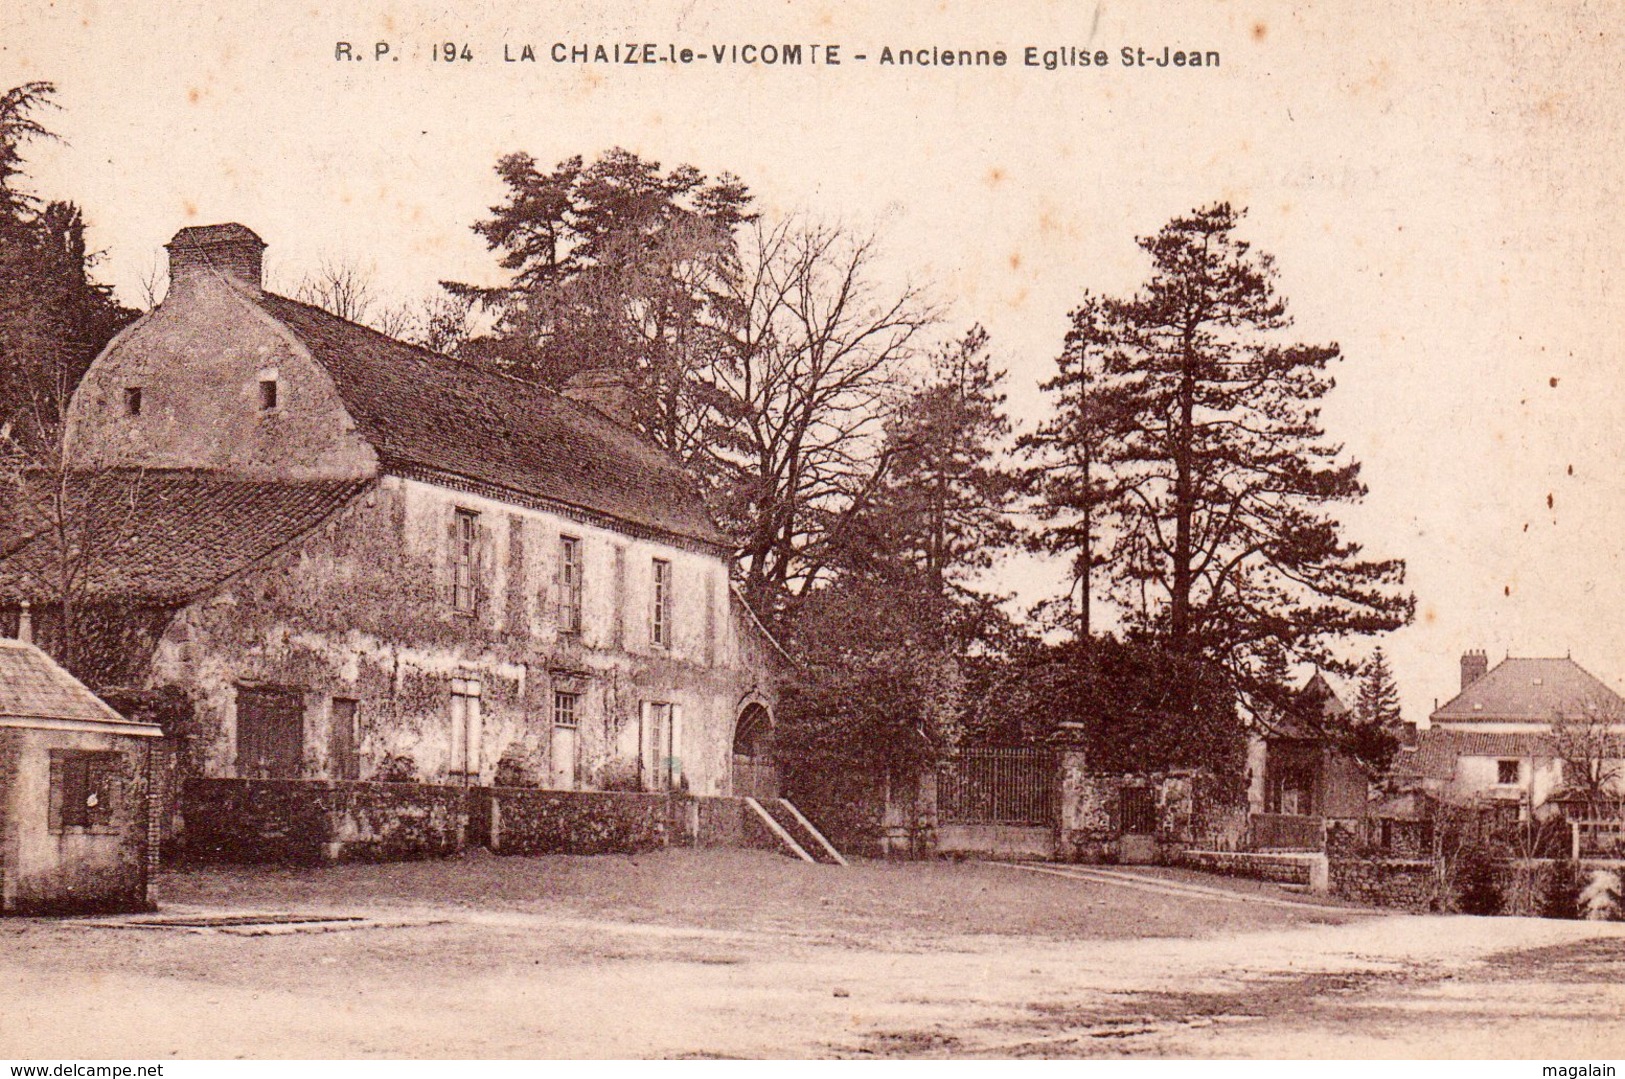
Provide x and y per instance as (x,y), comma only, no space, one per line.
(1439,183)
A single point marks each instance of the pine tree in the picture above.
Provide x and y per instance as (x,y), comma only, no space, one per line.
(945,503)
(616,265)
(1222,538)
(1378,700)
(1074,494)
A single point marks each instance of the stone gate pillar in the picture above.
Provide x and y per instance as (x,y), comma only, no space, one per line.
(1073,792)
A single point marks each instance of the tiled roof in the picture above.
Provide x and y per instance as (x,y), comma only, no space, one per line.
(1527,690)
(1436,751)
(162,536)
(424,411)
(1315,690)
(32,686)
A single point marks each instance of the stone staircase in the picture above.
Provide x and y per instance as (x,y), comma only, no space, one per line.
(794,832)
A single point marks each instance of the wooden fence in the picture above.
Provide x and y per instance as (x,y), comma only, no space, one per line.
(998,786)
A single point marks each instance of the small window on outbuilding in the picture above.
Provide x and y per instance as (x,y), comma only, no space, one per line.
(269,394)
(84,789)
(1506,772)
(132,400)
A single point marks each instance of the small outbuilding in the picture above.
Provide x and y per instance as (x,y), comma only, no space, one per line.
(76,821)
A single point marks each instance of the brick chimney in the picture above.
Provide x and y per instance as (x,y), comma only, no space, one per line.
(202,252)
(604,389)
(1474,665)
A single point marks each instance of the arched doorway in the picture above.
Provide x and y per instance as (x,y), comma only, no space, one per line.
(755,774)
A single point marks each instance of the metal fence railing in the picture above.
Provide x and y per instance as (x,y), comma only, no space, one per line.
(997,786)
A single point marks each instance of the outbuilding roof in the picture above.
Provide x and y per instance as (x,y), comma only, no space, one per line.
(427,414)
(1436,751)
(1527,690)
(159,536)
(1314,701)
(35,691)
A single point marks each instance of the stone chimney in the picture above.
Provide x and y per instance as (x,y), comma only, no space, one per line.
(1474,665)
(604,389)
(202,252)
(25,624)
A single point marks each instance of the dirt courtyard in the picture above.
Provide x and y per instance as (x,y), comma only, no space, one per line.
(743,953)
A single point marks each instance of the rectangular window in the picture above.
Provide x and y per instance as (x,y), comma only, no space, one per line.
(345,762)
(566,724)
(84,789)
(132,400)
(270,733)
(268,394)
(660,746)
(464,559)
(565,709)
(570,579)
(1506,772)
(465,729)
(660,612)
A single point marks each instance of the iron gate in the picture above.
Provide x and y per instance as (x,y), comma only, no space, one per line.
(997,786)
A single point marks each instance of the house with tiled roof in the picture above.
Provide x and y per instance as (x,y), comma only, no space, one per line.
(1493,741)
(363,560)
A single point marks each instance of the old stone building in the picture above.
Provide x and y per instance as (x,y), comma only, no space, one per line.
(362,560)
(1296,768)
(75,817)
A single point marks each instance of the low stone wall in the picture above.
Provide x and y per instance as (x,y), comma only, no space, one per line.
(1377,865)
(1401,883)
(309,822)
(1307,870)
(1099,823)
(530,821)
(996,840)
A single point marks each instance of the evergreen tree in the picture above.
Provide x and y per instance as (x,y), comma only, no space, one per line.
(1073,492)
(1220,508)
(53,318)
(616,265)
(945,502)
(1378,701)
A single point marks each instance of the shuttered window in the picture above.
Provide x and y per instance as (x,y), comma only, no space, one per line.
(84,789)
(270,733)
(345,763)
(466,756)
(464,560)
(570,580)
(660,607)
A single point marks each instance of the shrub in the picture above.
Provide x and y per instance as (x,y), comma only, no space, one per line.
(1560,898)
(1600,899)
(396,768)
(514,769)
(620,774)
(1480,889)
